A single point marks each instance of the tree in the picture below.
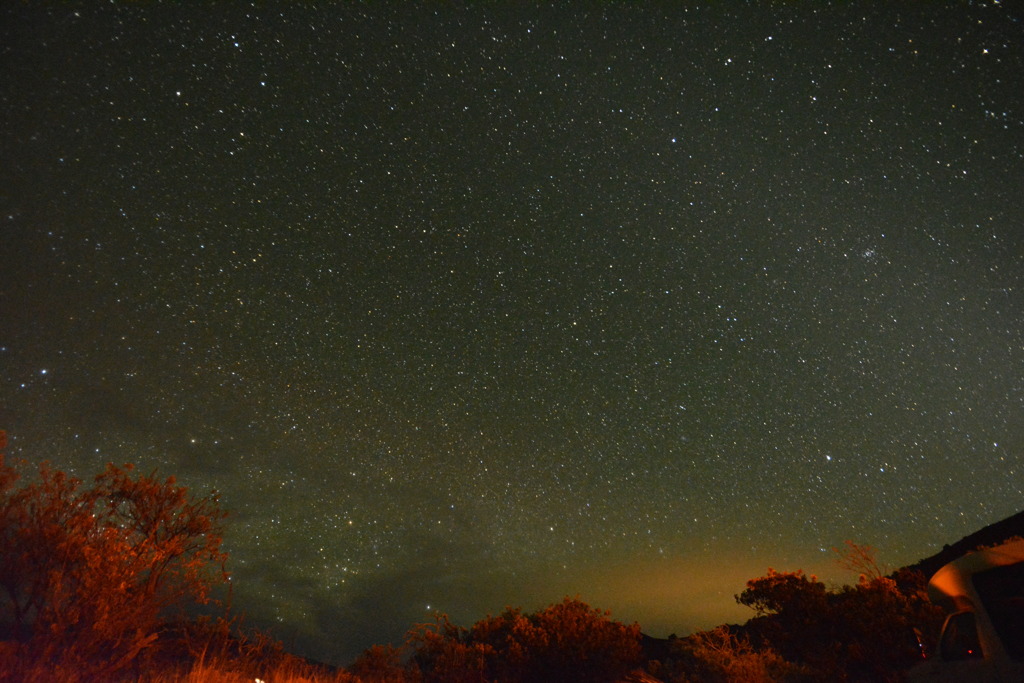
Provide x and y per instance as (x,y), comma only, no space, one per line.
(87,573)
(581,643)
(867,632)
(445,654)
(783,592)
(566,642)
(380,664)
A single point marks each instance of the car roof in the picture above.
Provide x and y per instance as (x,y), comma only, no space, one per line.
(951,588)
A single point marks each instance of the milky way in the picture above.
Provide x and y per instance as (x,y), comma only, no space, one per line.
(468,307)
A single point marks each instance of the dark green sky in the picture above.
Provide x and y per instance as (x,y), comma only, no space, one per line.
(462,307)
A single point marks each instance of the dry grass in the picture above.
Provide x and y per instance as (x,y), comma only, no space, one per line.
(227,672)
(214,672)
(205,651)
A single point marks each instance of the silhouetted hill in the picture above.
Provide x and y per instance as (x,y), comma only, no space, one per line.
(994,533)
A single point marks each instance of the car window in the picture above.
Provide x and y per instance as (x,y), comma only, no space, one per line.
(960,638)
(1002,592)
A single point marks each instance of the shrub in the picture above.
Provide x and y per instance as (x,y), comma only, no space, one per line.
(565,642)
(867,632)
(88,572)
(722,656)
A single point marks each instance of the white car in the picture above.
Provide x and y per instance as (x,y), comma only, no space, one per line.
(983,638)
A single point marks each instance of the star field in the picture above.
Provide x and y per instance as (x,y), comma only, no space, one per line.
(467,307)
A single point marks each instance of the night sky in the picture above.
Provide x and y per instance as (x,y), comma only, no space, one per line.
(470,306)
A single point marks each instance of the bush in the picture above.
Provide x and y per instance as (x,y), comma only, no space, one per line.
(565,642)
(867,632)
(87,573)
(379,664)
(722,656)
